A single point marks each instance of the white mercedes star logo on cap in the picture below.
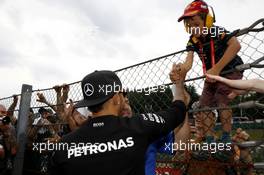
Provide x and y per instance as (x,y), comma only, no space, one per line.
(88,89)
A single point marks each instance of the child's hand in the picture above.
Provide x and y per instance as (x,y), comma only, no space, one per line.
(178,72)
(212,71)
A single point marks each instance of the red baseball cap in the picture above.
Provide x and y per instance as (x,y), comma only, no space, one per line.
(194,8)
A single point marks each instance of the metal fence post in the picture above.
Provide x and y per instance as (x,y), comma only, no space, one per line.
(21,128)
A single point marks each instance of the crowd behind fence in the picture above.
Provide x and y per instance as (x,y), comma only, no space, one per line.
(149,86)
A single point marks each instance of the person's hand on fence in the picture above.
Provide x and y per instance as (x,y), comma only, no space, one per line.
(79,118)
(41,98)
(68,110)
(240,136)
(15,99)
(240,87)
(65,88)
(74,118)
(212,71)
(65,92)
(57,88)
(11,109)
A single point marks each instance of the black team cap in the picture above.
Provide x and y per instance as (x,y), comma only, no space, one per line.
(98,87)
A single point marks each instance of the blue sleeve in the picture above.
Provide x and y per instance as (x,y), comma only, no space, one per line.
(165,144)
(154,148)
(150,158)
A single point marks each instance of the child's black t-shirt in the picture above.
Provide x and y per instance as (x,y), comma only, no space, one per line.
(202,47)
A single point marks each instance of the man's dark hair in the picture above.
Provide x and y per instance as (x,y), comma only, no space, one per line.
(99,107)
(96,108)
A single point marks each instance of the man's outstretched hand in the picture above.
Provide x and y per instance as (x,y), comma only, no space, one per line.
(179,71)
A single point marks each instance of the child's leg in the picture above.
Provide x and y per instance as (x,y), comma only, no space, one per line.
(222,100)
(207,100)
(225,118)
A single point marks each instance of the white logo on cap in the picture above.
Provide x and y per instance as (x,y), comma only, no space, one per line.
(88,89)
(204,6)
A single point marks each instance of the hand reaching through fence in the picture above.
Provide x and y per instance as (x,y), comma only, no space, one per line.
(179,71)
(11,109)
(42,99)
(62,96)
(240,86)
(65,92)
(72,116)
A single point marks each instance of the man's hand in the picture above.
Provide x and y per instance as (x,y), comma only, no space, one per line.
(177,76)
(178,72)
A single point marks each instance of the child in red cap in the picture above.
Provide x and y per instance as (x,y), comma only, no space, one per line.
(217,49)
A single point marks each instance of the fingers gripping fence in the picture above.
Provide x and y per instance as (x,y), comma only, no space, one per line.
(150,90)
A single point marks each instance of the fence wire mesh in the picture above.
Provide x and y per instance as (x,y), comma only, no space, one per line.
(147,93)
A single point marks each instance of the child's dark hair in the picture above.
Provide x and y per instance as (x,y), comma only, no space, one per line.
(201,14)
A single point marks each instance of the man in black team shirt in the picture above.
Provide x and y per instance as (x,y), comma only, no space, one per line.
(107,143)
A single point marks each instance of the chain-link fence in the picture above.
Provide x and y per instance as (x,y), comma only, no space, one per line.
(150,90)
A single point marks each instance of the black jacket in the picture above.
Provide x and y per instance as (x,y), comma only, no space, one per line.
(114,145)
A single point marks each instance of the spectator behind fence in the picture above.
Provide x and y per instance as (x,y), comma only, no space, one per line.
(30,137)
(198,128)
(8,144)
(62,96)
(41,127)
(240,86)
(218,53)
(11,110)
(242,154)
(121,142)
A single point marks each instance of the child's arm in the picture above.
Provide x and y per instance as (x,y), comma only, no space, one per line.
(189,60)
(231,51)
